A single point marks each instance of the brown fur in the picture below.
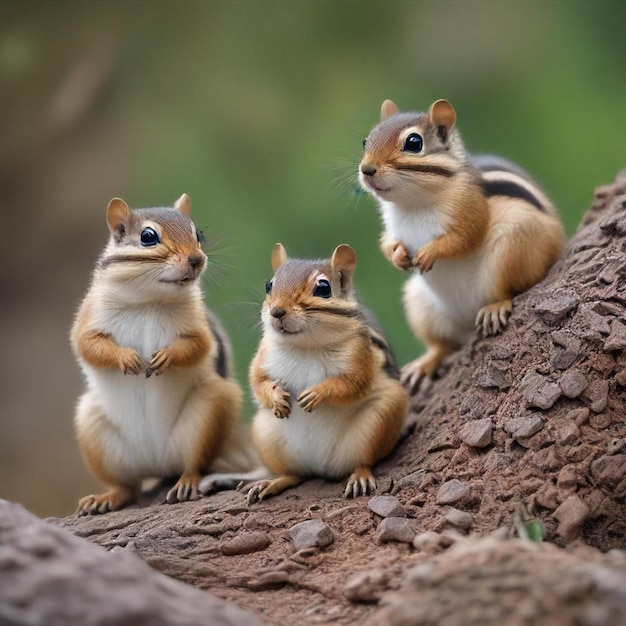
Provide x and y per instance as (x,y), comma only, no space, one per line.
(519,242)
(363,383)
(194,436)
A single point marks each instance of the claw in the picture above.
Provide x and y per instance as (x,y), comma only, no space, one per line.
(309,399)
(105,502)
(263,489)
(159,363)
(360,483)
(184,490)
(493,318)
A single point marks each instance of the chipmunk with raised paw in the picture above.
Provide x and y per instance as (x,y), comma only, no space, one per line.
(475,232)
(325,379)
(160,401)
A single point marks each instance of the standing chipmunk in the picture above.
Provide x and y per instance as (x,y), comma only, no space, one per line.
(478,230)
(160,401)
(325,378)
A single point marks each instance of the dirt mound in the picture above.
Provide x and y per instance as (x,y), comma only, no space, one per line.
(529,423)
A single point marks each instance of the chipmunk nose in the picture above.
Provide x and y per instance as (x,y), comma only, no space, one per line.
(195,261)
(368,169)
(277,312)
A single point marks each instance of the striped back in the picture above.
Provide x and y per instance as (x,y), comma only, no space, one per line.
(500,177)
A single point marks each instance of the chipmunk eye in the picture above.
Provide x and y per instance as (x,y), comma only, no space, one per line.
(200,236)
(364,143)
(322,289)
(149,237)
(413,143)
(268,286)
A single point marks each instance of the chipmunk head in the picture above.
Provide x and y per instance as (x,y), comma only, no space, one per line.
(157,247)
(310,303)
(409,153)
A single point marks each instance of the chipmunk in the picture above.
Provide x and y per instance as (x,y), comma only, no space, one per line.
(160,400)
(477,230)
(325,379)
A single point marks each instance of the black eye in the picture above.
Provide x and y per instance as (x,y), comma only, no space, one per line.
(413,143)
(322,289)
(268,286)
(149,237)
(364,143)
(200,236)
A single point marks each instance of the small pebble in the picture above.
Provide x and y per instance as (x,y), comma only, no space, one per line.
(571,514)
(477,433)
(245,543)
(522,427)
(567,478)
(573,383)
(311,534)
(386,506)
(597,393)
(459,519)
(452,491)
(395,529)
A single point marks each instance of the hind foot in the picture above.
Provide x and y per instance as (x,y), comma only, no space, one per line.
(360,483)
(105,502)
(263,489)
(185,489)
(493,318)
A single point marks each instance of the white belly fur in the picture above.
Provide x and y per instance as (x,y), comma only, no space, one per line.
(142,410)
(455,286)
(328,441)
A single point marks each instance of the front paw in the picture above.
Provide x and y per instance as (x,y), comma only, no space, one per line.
(130,362)
(400,257)
(424,259)
(281,402)
(311,398)
(159,362)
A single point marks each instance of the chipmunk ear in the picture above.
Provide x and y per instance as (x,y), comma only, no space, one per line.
(443,116)
(183,204)
(387,109)
(117,217)
(279,256)
(343,261)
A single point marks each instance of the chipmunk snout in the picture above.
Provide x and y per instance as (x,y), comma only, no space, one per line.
(195,260)
(368,169)
(277,312)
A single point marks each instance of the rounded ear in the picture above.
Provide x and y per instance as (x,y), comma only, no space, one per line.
(279,256)
(443,116)
(117,215)
(344,261)
(387,109)
(183,204)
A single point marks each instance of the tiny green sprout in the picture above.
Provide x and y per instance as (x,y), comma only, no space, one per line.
(528,528)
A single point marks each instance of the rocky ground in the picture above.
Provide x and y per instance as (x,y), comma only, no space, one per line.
(521,433)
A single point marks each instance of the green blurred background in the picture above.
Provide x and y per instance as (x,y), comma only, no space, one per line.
(257,110)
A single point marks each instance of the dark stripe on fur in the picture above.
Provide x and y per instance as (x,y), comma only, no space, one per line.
(127,258)
(511,190)
(222,360)
(334,310)
(390,366)
(428,169)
